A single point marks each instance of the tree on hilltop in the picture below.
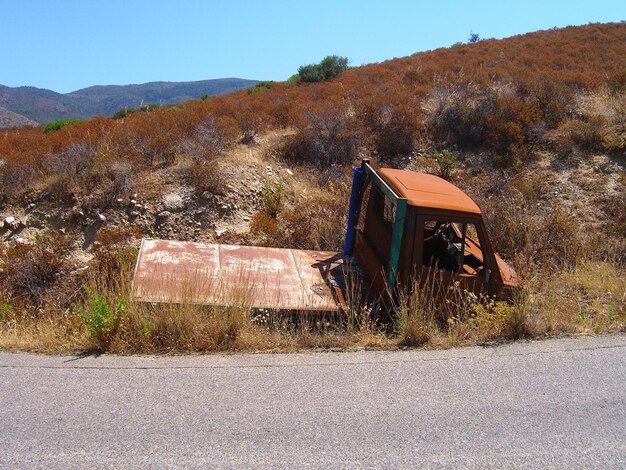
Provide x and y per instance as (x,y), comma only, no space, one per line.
(329,67)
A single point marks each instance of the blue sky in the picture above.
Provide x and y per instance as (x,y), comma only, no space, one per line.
(65,45)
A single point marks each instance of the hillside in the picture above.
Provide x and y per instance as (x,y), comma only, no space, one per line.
(533,127)
(43,105)
(11,119)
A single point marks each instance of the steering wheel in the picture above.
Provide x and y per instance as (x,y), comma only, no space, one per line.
(441,234)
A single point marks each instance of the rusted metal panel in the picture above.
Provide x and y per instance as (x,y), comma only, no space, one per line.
(214,274)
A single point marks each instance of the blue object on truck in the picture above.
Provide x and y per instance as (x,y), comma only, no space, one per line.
(358,178)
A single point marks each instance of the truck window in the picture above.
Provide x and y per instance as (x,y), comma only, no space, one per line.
(452,246)
(473,257)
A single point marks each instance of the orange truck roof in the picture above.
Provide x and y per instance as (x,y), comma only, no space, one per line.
(423,190)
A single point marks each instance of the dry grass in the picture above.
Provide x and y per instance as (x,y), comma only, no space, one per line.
(54,333)
(439,314)
(176,327)
(586,298)
(589,297)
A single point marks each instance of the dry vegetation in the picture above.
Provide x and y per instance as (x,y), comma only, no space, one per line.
(538,122)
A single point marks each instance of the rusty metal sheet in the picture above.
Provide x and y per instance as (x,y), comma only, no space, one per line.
(215,274)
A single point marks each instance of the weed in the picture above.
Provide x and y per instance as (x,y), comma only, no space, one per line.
(6,311)
(446,163)
(273,197)
(500,321)
(265,226)
(101,317)
(146,329)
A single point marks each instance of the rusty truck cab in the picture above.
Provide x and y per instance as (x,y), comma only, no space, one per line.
(409,225)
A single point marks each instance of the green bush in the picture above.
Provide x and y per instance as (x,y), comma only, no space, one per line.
(329,67)
(293,80)
(148,107)
(205,97)
(56,125)
(259,86)
(446,162)
(6,311)
(122,113)
(101,318)
(473,38)
(273,198)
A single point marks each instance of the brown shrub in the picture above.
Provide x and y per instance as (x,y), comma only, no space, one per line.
(207,176)
(241,115)
(496,119)
(540,70)
(554,99)
(209,140)
(617,81)
(615,209)
(15,179)
(391,123)
(122,178)
(531,235)
(449,114)
(70,171)
(318,221)
(587,135)
(329,138)
(150,138)
(314,221)
(29,271)
(114,250)
(264,226)
(508,122)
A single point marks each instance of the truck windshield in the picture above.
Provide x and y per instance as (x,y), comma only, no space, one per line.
(452,246)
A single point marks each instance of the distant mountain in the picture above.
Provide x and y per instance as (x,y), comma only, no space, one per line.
(10,119)
(42,105)
(37,104)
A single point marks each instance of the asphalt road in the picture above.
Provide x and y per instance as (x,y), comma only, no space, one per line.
(547,404)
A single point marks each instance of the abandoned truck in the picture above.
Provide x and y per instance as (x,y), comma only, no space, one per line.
(401,225)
